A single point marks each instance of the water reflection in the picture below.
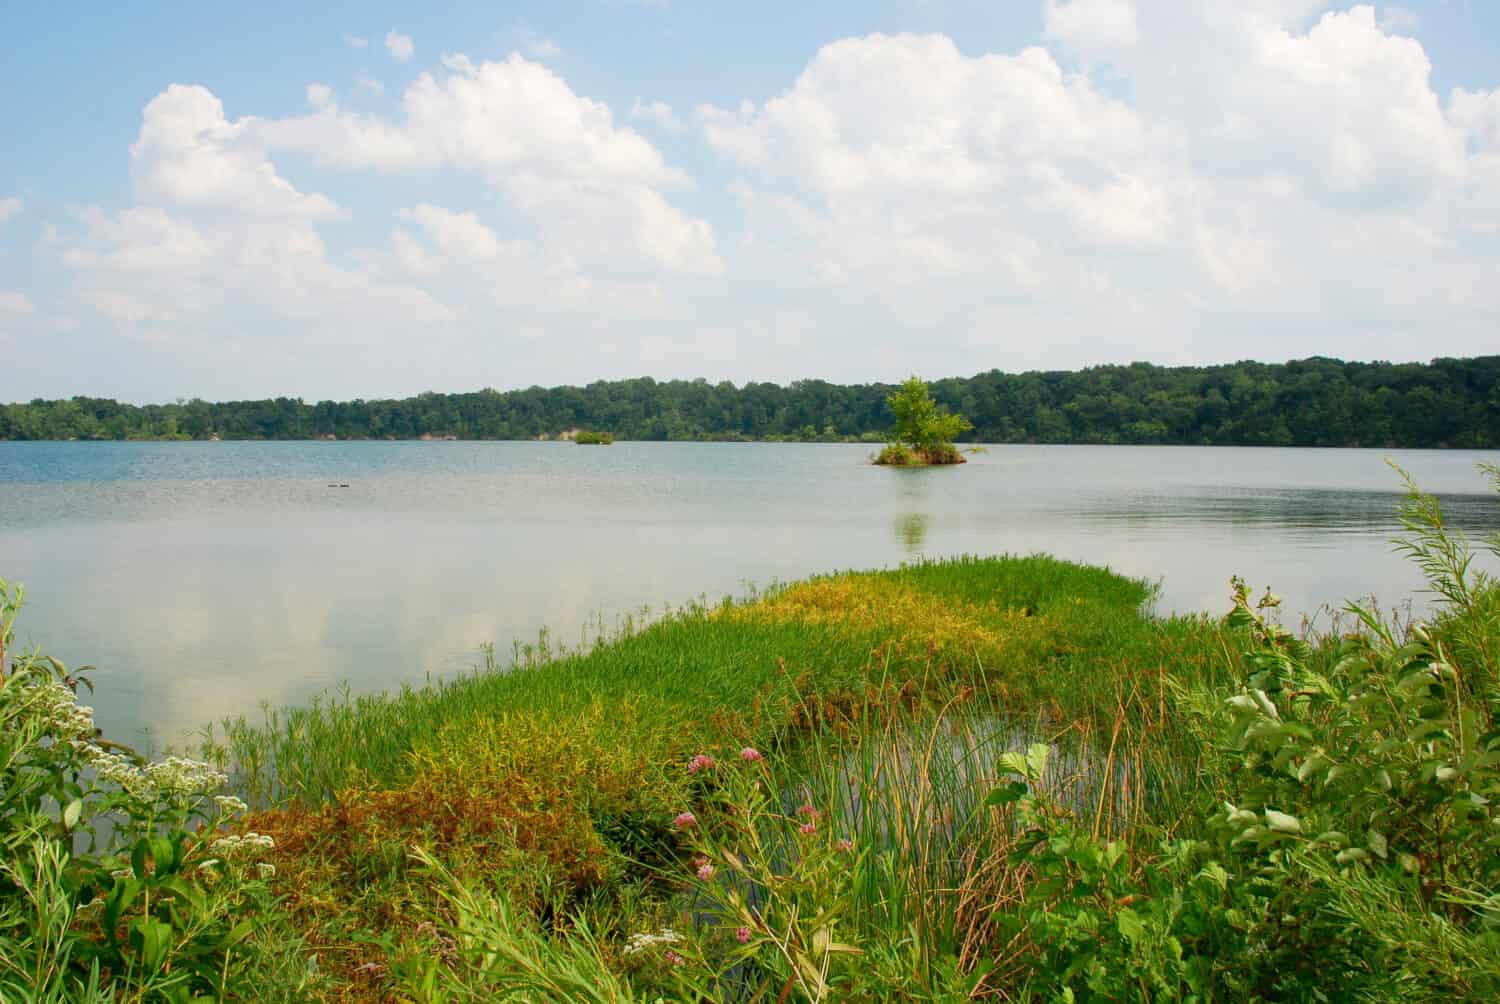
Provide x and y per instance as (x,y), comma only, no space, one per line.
(911,531)
(205,578)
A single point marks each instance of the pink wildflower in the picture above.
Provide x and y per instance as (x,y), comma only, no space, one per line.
(750,753)
(685,820)
(700,762)
(705,871)
(845,844)
(742,935)
(807,812)
(674,958)
(809,827)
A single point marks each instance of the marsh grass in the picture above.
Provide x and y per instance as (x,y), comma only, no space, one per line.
(551,781)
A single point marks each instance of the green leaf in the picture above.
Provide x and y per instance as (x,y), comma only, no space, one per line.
(1282,823)
(71,813)
(1130,925)
(1004,796)
(151,938)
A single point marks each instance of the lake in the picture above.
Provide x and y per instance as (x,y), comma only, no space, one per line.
(205,578)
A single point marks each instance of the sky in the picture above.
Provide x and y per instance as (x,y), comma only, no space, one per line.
(343,200)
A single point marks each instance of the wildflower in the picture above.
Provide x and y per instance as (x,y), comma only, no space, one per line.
(845,844)
(700,762)
(265,869)
(673,957)
(809,827)
(742,935)
(237,843)
(705,871)
(228,803)
(642,941)
(750,753)
(685,820)
(807,812)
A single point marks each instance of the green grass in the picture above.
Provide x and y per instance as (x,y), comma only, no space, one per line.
(580,755)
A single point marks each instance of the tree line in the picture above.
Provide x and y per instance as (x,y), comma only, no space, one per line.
(1308,402)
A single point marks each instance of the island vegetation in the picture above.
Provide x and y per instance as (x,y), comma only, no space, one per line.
(924,431)
(1309,402)
(995,778)
(588,437)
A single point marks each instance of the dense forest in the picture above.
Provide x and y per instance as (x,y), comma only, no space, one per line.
(1310,402)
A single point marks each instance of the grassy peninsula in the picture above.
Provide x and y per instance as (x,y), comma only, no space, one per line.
(996,778)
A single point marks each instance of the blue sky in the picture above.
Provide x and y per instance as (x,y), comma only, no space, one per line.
(341,200)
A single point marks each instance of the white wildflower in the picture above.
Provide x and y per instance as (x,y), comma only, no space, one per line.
(641,942)
(228,803)
(240,843)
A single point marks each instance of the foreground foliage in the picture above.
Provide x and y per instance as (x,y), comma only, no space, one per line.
(117,880)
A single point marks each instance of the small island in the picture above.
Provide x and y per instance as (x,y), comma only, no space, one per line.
(924,431)
(587,437)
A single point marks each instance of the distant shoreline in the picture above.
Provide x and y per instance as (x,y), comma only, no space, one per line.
(1444,404)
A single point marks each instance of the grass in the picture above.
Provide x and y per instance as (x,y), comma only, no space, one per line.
(552,783)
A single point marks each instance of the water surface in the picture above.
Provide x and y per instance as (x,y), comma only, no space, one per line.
(204,578)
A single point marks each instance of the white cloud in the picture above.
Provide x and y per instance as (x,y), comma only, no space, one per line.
(319,95)
(10,207)
(399,46)
(543,48)
(593,188)
(658,113)
(12,303)
(369,85)
(459,235)
(356,41)
(188,153)
(1277,176)
(1092,24)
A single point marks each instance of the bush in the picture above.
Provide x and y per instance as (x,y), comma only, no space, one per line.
(115,880)
(1355,852)
(590,438)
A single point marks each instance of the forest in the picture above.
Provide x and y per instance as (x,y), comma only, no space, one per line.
(1309,402)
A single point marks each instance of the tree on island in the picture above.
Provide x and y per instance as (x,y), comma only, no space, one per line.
(924,431)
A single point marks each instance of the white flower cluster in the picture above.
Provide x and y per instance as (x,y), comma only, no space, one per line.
(242,843)
(180,777)
(115,768)
(640,942)
(59,714)
(228,803)
(175,778)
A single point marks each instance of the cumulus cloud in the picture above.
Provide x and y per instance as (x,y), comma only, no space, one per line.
(188,153)
(1279,174)
(399,46)
(1179,182)
(10,207)
(1094,25)
(594,188)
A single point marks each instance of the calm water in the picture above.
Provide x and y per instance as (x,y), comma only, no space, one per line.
(204,578)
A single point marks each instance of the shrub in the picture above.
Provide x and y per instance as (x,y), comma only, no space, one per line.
(115,880)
